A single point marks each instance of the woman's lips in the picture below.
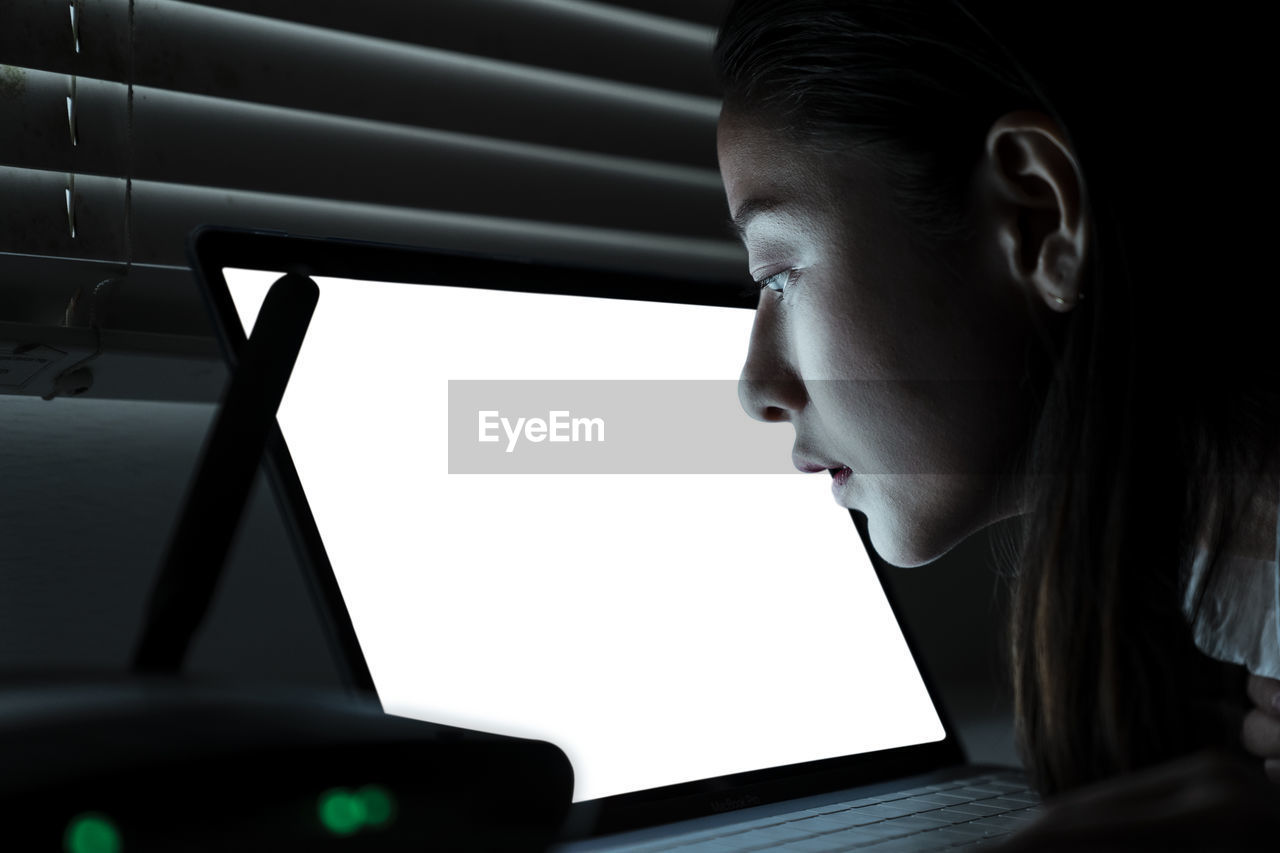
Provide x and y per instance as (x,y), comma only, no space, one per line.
(840,474)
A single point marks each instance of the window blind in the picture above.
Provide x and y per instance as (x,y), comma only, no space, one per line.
(564,129)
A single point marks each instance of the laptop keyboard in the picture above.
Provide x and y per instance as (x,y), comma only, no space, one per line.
(962,813)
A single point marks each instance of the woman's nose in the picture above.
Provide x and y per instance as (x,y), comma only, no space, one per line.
(768,388)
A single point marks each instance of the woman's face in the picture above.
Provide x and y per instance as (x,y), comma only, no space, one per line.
(897,362)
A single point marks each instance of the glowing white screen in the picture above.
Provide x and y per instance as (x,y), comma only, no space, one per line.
(659,629)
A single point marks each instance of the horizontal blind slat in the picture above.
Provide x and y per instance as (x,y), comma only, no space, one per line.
(706,12)
(155,299)
(164,214)
(35,131)
(593,39)
(33,218)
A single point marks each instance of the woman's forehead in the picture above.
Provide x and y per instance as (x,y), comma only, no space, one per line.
(750,161)
(761,163)
(766,171)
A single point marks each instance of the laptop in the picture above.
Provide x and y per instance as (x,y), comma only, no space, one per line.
(528,503)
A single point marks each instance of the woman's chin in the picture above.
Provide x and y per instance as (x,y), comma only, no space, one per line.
(920,522)
(905,559)
(909,545)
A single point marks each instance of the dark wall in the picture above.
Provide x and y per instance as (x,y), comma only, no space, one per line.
(955,609)
(92,489)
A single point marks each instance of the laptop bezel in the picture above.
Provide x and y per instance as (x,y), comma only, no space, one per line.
(212,249)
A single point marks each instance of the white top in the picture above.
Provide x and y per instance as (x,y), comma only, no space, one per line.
(1239,619)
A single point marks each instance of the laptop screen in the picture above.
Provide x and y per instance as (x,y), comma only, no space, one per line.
(549,517)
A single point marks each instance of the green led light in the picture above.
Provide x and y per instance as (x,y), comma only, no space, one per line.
(91,833)
(379,806)
(341,812)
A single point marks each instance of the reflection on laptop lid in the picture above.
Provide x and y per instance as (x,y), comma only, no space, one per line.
(546,515)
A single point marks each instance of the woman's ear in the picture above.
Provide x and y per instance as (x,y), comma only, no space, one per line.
(1038,204)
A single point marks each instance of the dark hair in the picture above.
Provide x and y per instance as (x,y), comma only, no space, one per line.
(1160,413)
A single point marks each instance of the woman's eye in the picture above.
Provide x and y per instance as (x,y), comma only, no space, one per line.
(777,281)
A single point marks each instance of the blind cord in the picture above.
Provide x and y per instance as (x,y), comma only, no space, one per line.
(71,122)
(128,174)
(77,378)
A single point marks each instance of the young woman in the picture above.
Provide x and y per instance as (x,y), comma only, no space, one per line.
(1008,267)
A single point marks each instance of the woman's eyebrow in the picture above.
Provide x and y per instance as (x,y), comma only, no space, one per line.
(748,210)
